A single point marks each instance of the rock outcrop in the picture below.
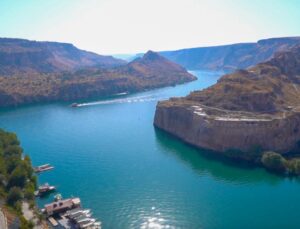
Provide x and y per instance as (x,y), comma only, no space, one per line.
(249,109)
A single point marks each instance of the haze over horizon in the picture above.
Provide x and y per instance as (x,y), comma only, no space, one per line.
(132,26)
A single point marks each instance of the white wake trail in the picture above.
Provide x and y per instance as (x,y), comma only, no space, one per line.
(137,99)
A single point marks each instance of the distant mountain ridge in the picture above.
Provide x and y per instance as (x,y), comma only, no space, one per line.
(152,63)
(150,71)
(230,57)
(20,56)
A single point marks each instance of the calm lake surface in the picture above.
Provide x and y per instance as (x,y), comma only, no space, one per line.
(132,176)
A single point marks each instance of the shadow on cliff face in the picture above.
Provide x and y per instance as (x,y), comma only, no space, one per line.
(205,162)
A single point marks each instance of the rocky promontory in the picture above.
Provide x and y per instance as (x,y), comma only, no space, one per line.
(246,113)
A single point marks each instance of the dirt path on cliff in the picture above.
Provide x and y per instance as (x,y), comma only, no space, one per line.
(29,215)
(243,115)
(278,116)
(3,221)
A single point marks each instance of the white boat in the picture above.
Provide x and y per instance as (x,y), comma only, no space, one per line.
(86,220)
(87,225)
(78,212)
(122,93)
(82,216)
(73,211)
(96,225)
(44,189)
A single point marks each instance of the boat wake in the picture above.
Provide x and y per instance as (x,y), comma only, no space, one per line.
(137,99)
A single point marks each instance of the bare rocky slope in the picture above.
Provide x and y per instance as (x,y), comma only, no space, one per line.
(252,110)
(230,57)
(150,71)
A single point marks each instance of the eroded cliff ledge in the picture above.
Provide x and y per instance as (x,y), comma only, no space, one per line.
(223,130)
(254,108)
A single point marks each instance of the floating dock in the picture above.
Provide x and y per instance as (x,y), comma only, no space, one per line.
(66,213)
(53,221)
(61,206)
(43,168)
(69,214)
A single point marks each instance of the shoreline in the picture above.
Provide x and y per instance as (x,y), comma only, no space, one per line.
(237,160)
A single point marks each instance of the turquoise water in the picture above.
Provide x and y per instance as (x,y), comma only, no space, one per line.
(133,176)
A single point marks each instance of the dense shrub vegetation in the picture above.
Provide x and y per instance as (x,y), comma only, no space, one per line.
(293,166)
(273,161)
(276,162)
(17,180)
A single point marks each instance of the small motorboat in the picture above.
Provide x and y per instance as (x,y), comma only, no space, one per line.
(76,212)
(97,223)
(85,220)
(87,224)
(81,216)
(75,105)
(44,189)
(122,93)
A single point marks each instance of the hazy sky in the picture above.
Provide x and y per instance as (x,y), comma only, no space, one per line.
(129,26)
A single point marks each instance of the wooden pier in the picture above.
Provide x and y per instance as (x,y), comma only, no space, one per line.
(43,168)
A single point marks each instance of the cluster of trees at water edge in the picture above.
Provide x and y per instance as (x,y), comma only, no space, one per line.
(17,179)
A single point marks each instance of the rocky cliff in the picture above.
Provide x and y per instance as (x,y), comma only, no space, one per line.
(246,110)
(230,57)
(150,71)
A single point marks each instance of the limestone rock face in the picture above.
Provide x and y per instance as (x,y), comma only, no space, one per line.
(220,134)
(257,107)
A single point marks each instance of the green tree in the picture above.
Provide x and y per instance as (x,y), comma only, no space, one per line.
(18,178)
(29,191)
(7,139)
(26,163)
(11,163)
(273,161)
(14,195)
(26,224)
(13,150)
(293,166)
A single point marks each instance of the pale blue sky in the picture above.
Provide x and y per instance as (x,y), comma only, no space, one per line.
(129,26)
